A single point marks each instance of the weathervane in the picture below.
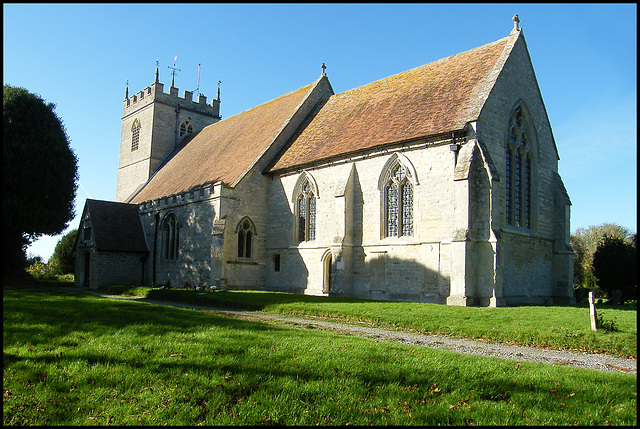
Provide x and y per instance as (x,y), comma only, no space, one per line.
(173,71)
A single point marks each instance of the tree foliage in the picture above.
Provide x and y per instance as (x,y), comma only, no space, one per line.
(39,172)
(615,266)
(584,242)
(63,259)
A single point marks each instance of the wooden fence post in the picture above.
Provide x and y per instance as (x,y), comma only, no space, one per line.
(592,312)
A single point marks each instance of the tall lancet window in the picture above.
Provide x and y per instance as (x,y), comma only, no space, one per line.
(246,233)
(519,169)
(306,212)
(399,203)
(135,135)
(304,199)
(170,237)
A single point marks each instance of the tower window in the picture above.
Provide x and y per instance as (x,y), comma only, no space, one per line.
(135,135)
(186,128)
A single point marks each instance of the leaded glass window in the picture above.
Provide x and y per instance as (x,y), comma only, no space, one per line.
(135,135)
(518,174)
(306,207)
(398,204)
(245,239)
(170,235)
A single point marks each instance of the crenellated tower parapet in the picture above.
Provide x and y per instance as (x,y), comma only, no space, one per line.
(155,93)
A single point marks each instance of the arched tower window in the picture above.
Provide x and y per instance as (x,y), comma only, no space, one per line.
(519,163)
(186,128)
(246,232)
(396,185)
(170,237)
(135,135)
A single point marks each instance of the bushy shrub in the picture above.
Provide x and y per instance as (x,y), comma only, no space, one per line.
(41,271)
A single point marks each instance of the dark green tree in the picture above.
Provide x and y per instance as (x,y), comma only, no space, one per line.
(63,259)
(39,173)
(615,266)
(584,242)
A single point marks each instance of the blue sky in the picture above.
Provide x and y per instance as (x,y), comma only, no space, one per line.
(81,56)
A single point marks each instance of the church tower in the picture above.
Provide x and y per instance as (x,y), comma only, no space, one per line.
(153,125)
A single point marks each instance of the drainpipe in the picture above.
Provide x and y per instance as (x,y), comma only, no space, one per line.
(454,147)
(155,247)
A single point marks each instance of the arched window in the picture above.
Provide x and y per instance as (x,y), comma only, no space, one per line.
(519,167)
(398,193)
(170,237)
(245,238)
(135,135)
(306,211)
(396,184)
(186,128)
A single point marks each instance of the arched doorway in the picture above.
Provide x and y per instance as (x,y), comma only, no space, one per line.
(326,272)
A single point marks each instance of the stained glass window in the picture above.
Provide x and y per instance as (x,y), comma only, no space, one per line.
(306,213)
(518,175)
(407,209)
(392,210)
(398,204)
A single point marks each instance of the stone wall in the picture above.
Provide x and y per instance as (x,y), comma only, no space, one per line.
(109,268)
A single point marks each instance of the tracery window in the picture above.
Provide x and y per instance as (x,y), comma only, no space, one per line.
(170,237)
(245,239)
(398,207)
(186,128)
(306,212)
(519,165)
(135,135)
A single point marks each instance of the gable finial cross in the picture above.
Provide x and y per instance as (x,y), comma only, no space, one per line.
(324,68)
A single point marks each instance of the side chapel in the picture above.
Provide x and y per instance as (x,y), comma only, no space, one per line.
(439,184)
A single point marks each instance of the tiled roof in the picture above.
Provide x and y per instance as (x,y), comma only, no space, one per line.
(223,151)
(116,226)
(435,98)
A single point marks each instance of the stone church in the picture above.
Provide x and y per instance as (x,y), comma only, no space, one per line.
(439,184)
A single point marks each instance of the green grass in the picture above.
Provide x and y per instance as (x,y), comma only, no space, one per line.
(77,359)
(558,327)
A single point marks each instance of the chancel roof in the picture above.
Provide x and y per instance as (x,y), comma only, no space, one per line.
(429,100)
(223,151)
(116,226)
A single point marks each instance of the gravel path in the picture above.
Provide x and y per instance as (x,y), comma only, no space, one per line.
(600,362)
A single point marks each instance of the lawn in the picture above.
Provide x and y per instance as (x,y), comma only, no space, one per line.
(78,359)
(559,327)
